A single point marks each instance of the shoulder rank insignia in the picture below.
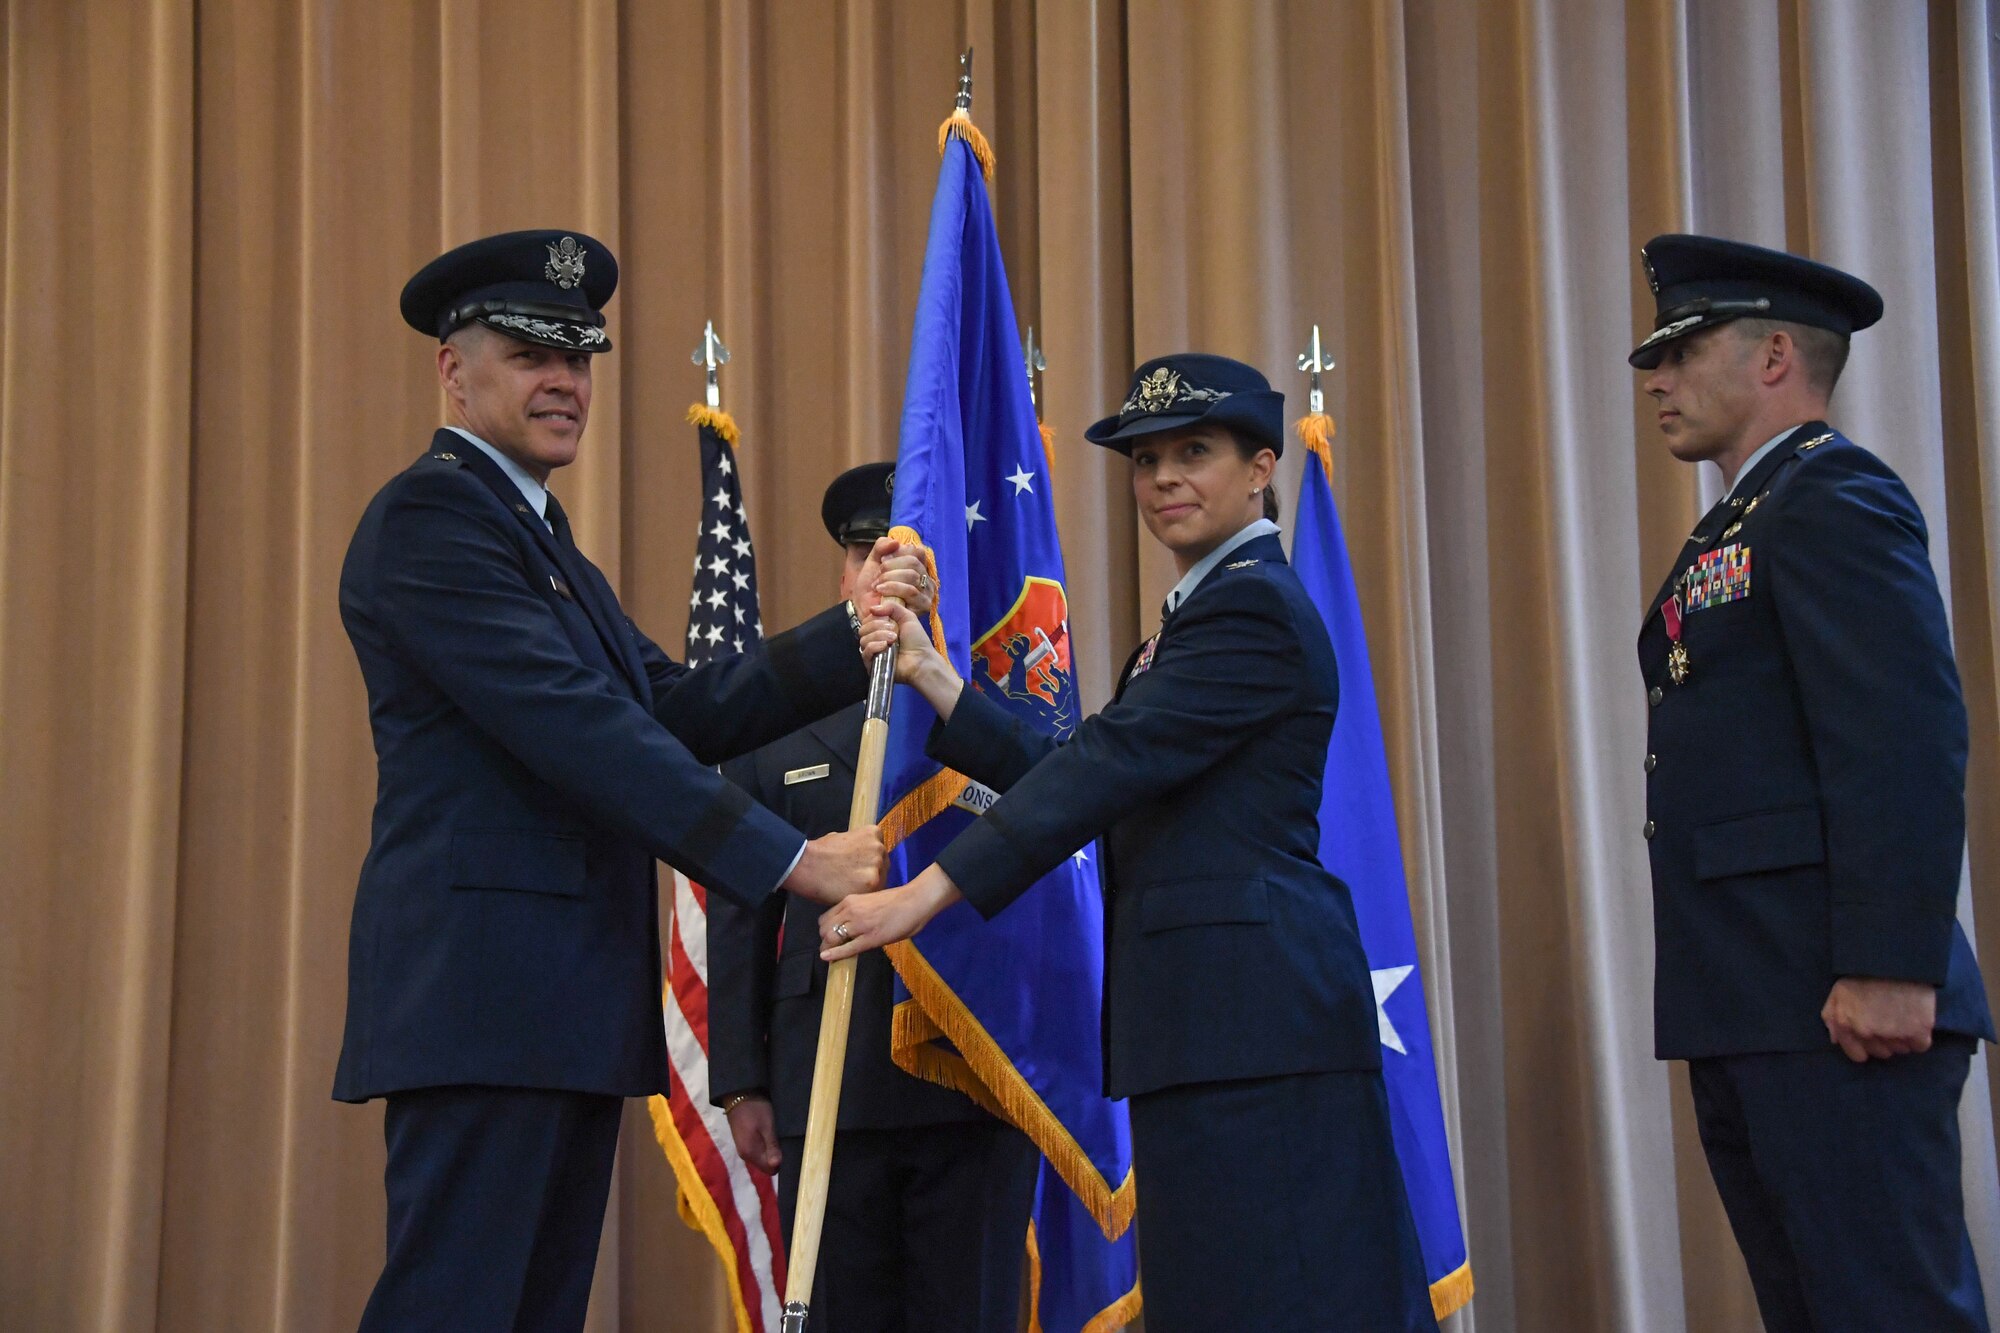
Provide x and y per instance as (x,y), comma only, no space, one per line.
(448,458)
(1242,564)
(1815,442)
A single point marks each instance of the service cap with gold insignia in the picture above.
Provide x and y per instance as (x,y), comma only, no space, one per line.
(1169,392)
(856,506)
(1701,281)
(545,287)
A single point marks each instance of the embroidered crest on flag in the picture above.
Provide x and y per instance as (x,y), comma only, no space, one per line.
(1719,576)
(1023,663)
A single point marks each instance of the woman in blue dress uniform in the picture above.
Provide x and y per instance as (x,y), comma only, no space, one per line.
(1238,1014)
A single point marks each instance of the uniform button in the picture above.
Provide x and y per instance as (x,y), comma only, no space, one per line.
(1654,695)
(1650,830)
(1652,762)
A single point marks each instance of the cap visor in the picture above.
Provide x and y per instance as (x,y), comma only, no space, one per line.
(557,333)
(1121,438)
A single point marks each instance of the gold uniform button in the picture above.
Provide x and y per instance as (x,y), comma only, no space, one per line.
(1652,762)
(1654,695)
(1650,830)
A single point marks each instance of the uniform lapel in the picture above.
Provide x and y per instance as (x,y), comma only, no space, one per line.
(575,573)
(1716,521)
(1266,548)
(609,619)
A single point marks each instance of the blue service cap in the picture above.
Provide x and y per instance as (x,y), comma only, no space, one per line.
(546,287)
(856,507)
(1701,281)
(1189,387)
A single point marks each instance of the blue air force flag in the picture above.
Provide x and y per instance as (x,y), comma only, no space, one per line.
(1358,841)
(1004,1010)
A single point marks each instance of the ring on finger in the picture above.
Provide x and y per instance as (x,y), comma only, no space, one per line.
(840,932)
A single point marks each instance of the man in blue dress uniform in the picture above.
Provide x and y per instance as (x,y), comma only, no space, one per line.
(1806,810)
(535,754)
(927,1208)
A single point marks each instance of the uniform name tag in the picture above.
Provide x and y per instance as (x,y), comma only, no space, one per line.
(813,774)
(1719,577)
(1145,657)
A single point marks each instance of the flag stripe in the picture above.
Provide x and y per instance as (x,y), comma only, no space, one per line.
(705,1132)
(735,1207)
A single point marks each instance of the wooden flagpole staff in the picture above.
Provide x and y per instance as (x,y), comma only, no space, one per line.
(837,1010)
(836,1016)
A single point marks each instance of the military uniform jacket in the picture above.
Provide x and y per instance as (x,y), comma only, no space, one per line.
(1805,789)
(535,753)
(766,984)
(1231,952)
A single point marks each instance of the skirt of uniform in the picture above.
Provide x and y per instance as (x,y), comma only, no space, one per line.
(1276,1204)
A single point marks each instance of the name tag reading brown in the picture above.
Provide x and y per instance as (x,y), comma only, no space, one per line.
(813,774)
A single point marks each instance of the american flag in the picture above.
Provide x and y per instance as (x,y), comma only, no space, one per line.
(720,1196)
(722,608)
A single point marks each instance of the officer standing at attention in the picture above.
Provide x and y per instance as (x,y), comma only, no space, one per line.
(535,753)
(1239,1017)
(927,1208)
(1806,811)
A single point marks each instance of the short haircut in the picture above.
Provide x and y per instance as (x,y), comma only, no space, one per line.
(1822,351)
(472,331)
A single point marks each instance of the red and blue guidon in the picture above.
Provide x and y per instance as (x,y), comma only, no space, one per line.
(1023,662)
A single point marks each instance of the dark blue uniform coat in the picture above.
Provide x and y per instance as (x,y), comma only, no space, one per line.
(1232,952)
(535,754)
(1238,1012)
(1805,790)
(1806,821)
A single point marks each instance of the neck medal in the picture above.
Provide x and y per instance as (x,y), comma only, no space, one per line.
(1677,655)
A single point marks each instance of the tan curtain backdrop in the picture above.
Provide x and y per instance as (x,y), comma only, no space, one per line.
(209,207)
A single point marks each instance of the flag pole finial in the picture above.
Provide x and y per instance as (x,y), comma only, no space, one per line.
(1316,427)
(1036,363)
(958,125)
(711,355)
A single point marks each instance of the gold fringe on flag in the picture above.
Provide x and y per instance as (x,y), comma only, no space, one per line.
(697,1210)
(1316,434)
(717,420)
(1049,446)
(982,1071)
(978,1068)
(1451,1292)
(959,125)
(1108,1320)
